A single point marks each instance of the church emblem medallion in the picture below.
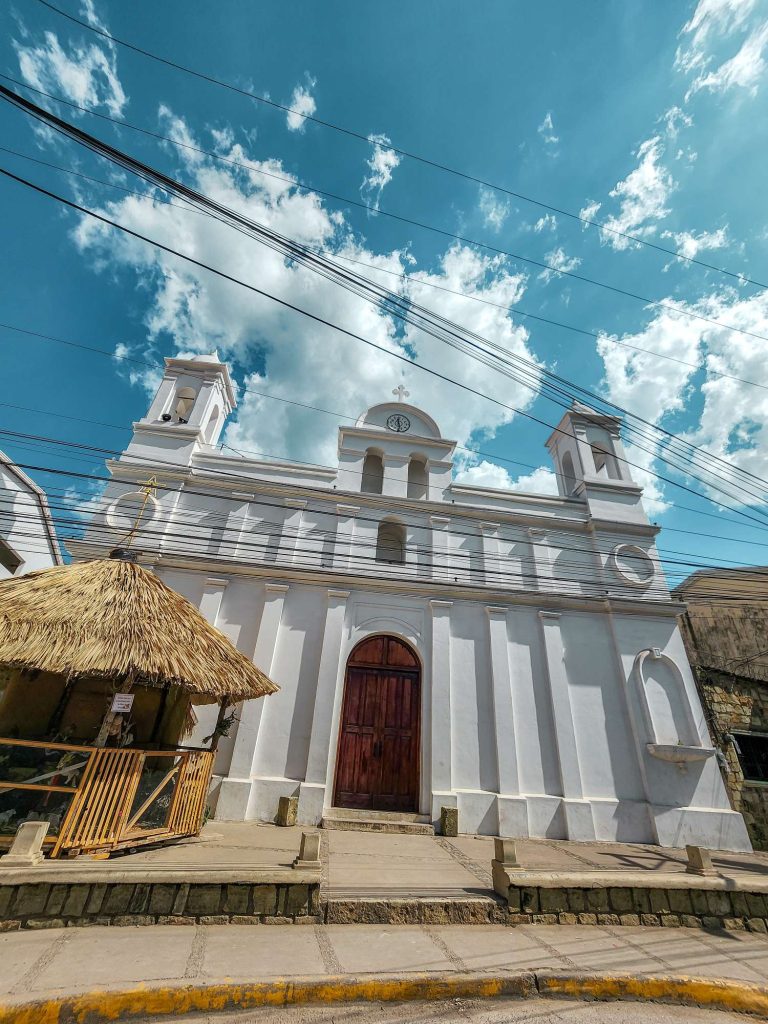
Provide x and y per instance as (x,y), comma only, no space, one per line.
(399,422)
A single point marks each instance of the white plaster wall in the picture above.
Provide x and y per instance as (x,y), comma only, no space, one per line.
(474,765)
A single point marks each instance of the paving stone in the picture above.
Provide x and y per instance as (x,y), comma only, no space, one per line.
(264,899)
(630,920)
(276,920)
(175,919)
(214,919)
(133,920)
(659,901)
(31,899)
(719,904)
(56,900)
(544,918)
(245,919)
(670,920)
(712,923)
(649,920)
(609,919)
(10,925)
(140,899)
(621,900)
(567,918)
(40,923)
(587,918)
(95,899)
(202,899)
(161,899)
(117,900)
(77,897)
(236,899)
(690,921)
(518,919)
(733,924)
(756,924)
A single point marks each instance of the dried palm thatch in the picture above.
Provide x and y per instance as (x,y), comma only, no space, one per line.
(113,619)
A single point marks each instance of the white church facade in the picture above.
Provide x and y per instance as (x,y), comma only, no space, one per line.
(515,656)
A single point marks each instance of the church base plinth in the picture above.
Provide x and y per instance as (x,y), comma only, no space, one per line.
(232,803)
(513,816)
(579,823)
(712,829)
(311,803)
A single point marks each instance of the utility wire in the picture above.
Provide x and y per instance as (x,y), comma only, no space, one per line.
(387,146)
(295,183)
(395,306)
(327,323)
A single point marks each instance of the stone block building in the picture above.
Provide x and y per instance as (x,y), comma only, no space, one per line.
(725,631)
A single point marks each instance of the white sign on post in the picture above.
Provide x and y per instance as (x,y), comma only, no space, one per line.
(122,703)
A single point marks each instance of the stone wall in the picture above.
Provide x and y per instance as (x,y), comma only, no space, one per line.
(56,905)
(657,907)
(738,704)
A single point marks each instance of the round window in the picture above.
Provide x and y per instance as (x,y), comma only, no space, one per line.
(132,509)
(633,564)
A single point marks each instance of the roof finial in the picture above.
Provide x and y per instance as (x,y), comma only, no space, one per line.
(401,393)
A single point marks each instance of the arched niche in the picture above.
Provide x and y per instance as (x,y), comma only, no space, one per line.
(373,472)
(390,542)
(671,729)
(569,474)
(418,479)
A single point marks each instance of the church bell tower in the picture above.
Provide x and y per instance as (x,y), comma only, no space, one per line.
(189,410)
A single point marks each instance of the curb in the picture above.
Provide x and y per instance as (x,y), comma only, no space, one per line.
(101,1006)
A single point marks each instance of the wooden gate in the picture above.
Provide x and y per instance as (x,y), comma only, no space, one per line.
(378,759)
(100,798)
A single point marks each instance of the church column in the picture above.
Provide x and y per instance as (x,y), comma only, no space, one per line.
(289,534)
(344,543)
(512,808)
(237,535)
(489,533)
(441,557)
(395,475)
(542,560)
(236,788)
(328,696)
(210,602)
(578,811)
(441,738)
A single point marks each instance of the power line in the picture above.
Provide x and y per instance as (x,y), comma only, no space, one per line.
(339,415)
(294,183)
(327,323)
(396,306)
(387,146)
(186,208)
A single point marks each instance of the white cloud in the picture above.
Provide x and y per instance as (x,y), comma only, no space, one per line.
(744,70)
(547,222)
(302,104)
(675,119)
(488,474)
(731,418)
(590,211)
(643,196)
(691,245)
(713,24)
(381,164)
(547,131)
(84,74)
(559,262)
(189,309)
(493,208)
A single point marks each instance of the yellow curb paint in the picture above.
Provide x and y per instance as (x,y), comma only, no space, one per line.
(721,994)
(101,1007)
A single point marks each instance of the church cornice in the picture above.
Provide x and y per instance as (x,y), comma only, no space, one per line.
(224,483)
(406,587)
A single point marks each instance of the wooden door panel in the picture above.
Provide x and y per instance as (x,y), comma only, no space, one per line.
(378,756)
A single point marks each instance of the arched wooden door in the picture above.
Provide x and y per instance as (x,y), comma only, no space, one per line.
(378,762)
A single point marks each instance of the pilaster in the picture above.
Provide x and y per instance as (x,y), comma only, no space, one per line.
(441,555)
(290,533)
(489,534)
(328,697)
(344,542)
(513,811)
(441,754)
(542,559)
(396,475)
(578,811)
(236,788)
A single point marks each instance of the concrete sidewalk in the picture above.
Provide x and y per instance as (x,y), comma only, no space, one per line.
(375,864)
(38,964)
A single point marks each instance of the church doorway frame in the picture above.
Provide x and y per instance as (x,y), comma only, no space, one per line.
(392,683)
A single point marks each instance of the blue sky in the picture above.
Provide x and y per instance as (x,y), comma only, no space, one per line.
(656,112)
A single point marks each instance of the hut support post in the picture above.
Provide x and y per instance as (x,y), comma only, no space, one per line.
(218,730)
(160,712)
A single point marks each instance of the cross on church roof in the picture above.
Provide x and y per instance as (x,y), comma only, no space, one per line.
(401,393)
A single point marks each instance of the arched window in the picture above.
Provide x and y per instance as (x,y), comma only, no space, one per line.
(417,477)
(185,399)
(569,476)
(373,472)
(210,430)
(390,543)
(605,464)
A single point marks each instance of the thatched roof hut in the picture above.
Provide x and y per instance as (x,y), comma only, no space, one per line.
(112,619)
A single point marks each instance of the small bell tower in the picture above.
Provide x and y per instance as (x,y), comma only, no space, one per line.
(591,464)
(189,410)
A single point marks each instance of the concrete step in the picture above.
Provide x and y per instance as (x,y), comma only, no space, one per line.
(350,820)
